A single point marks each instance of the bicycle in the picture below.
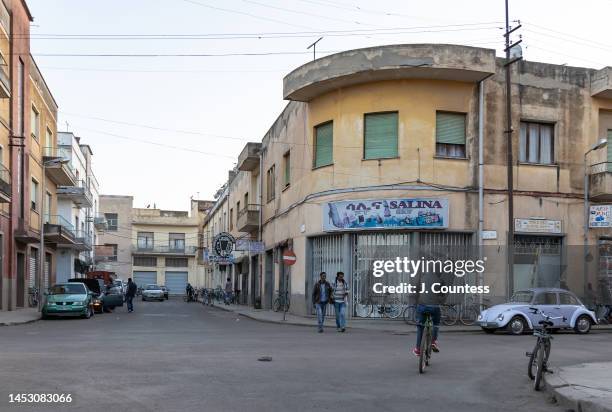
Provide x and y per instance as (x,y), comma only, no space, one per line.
(409,314)
(449,315)
(603,313)
(469,311)
(426,340)
(33,297)
(208,297)
(390,307)
(282,301)
(538,358)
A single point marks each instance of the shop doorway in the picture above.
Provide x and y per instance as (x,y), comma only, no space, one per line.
(537,262)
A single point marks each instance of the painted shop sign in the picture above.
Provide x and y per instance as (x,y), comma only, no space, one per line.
(600,216)
(385,214)
(537,226)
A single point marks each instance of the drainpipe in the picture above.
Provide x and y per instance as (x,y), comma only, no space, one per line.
(480,178)
(260,229)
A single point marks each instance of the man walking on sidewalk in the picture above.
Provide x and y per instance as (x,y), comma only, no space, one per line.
(228,291)
(129,295)
(341,292)
(321,295)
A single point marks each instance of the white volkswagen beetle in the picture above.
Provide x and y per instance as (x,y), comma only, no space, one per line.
(516,318)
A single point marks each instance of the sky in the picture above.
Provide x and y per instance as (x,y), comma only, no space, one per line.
(203,77)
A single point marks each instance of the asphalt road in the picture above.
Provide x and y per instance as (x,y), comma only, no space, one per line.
(173,356)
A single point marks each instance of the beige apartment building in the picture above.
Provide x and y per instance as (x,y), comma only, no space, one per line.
(151,245)
(378,149)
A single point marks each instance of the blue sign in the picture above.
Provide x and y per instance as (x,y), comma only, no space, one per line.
(386,214)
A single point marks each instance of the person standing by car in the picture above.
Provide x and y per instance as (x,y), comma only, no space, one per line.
(321,295)
(341,292)
(129,295)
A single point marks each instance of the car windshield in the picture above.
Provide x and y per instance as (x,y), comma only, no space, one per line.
(152,287)
(523,296)
(67,289)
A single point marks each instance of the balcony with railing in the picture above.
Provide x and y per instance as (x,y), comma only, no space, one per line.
(5,184)
(82,241)
(100,222)
(600,185)
(248,159)
(247,219)
(62,172)
(149,249)
(60,231)
(79,193)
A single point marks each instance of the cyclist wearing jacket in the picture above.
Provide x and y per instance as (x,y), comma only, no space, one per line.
(427,303)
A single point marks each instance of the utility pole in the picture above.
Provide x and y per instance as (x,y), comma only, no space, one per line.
(508,65)
(314,48)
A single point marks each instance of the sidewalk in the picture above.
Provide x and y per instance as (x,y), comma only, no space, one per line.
(19,316)
(397,326)
(586,387)
(383,325)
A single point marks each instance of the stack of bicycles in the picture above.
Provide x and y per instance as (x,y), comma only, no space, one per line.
(451,313)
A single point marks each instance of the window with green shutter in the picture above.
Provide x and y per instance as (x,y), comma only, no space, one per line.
(380,135)
(450,134)
(287,158)
(324,144)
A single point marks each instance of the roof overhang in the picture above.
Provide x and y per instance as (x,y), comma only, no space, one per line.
(404,61)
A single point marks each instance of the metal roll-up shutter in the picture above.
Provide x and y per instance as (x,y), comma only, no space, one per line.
(143,279)
(32,277)
(328,257)
(176,282)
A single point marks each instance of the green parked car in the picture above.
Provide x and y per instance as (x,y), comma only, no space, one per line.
(68,299)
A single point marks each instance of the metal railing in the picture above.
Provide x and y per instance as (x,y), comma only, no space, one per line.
(83,237)
(187,250)
(81,188)
(61,221)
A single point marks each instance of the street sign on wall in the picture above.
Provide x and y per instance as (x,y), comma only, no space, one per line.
(537,226)
(289,257)
(600,216)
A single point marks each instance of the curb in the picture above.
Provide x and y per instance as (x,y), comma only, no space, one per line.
(571,398)
(287,322)
(19,323)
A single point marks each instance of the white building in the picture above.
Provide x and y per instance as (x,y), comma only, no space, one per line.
(77,206)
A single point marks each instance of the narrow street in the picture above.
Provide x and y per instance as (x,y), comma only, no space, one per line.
(177,356)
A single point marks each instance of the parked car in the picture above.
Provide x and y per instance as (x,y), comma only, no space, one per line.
(516,317)
(152,292)
(68,299)
(166,291)
(121,285)
(104,299)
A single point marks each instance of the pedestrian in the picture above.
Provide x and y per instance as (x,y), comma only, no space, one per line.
(237,294)
(322,294)
(129,295)
(341,291)
(228,291)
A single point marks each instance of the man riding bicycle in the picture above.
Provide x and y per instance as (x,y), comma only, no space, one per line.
(428,302)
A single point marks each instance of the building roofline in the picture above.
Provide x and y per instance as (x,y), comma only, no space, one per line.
(27,10)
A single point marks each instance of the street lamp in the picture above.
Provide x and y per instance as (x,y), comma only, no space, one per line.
(600,144)
(56,162)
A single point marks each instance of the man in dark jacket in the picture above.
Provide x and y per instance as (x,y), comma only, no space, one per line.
(322,294)
(129,294)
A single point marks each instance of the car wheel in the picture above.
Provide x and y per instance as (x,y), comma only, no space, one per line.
(583,325)
(516,326)
(489,330)
(143,299)
(88,314)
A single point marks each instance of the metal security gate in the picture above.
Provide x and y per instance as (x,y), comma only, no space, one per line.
(377,246)
(328,257)
(142,279)
(604,280)
(176,282)
(369,247)
(537,262)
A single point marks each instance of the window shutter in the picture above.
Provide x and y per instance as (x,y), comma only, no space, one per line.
(380,135)
(324,145)
(450,128)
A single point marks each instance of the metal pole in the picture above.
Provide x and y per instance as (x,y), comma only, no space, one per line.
(41,259)
(480,178)
(509,158)
(586,227)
